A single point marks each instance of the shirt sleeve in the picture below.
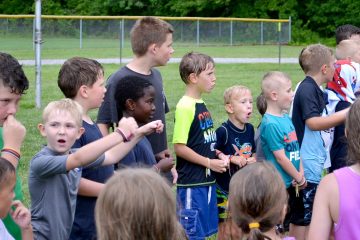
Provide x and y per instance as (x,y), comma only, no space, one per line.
(47,165)
(183,119)
(309,103)
(220,138)
(272,136)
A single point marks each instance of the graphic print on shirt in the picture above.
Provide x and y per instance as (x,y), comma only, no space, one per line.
(207,126)
(292,146)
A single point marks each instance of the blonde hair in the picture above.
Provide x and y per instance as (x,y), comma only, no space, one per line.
(313,57)
(273,81)
(347,49)
(257,195)
(233,91)
(65,104)
(137,204)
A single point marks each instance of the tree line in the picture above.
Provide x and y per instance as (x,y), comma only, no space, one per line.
(312,20)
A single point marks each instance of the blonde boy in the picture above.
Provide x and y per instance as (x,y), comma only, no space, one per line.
(235,139)
(280,144)
(82,80)
(317,62)
(194,139)
(55,171)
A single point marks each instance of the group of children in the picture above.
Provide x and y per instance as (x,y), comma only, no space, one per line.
(223,187)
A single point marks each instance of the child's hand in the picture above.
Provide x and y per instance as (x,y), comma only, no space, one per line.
(174,175)
(251,160)
(239,160)
(21,215)
(166,164)
(225,158)
(154,126)
(217,165)
(128,126)
(13,133)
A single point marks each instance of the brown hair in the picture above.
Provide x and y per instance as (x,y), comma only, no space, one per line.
(344,32)
(78,71)
(137,204)
(65,104)
(261,104)
(352,129)
(6,171)
(193,63)
(257,195)
(147,31)
(313,57)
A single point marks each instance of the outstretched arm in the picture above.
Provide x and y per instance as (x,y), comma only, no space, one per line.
(323,123)
(90,152)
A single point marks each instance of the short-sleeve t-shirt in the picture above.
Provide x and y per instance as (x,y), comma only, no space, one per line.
(108,113)
(4,234)
(309,102)
(233,141)
(140,156)
(194,127)
(53,192)
(11,226)
(84,221)
(278,132)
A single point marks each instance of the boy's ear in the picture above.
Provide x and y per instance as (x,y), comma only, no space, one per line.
(80,132)
(130,104)
(192,78)
(41,128)
(273,95)
(83,91)
(152,48)
(229,108)
(323,68)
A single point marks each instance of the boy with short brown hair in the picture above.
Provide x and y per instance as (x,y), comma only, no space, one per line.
(317,62)
(194,140)
(13,84)
(151,41)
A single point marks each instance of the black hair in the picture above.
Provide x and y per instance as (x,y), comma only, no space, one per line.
(12,75)
(131,87)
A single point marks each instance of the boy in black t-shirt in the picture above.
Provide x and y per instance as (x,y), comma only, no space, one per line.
(235,139)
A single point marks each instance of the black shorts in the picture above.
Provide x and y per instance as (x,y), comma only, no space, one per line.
(295,213)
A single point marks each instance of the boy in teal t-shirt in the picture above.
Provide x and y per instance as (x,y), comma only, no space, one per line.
(280,145)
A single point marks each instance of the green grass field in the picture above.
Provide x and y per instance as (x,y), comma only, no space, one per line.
(227,75)
(22,48)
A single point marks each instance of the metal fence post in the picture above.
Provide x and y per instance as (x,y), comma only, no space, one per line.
(80,33)
(231,33)
(198,32)
(122,33)
(34,26)
(38,41)
(290,29)
(262,33)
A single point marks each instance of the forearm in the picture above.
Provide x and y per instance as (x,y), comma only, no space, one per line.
(115,154)
(90,152)
(323,123)
(190,155)
(286,164)
(88,188)
(27,233)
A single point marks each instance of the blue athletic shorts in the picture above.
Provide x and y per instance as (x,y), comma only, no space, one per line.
(197,211)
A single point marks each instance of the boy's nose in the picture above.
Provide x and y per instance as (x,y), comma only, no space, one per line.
(12,108)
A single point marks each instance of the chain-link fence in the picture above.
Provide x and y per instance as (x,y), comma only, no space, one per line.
(68,32)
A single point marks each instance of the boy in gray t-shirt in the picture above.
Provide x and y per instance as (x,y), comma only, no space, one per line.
(55,171)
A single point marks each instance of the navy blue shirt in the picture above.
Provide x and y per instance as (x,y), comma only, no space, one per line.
(140,156)
(84,222)
(233,141)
